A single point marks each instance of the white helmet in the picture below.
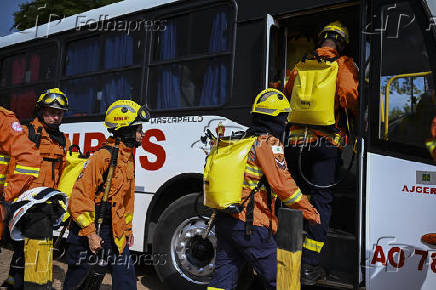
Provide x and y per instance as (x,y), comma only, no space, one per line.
(30,198)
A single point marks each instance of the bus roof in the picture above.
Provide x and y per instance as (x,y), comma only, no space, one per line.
(71,22)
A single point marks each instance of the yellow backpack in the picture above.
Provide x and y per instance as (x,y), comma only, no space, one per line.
(74,165)
(313,94)
(224,173)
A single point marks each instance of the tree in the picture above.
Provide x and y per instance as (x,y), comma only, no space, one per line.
(37,12)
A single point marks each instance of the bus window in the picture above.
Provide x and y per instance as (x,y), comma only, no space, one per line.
(191,61)
(22,101)
(119,50)
(92,95)
(406,85)
(130,45)
(82,56)
(35,66)
(202,32)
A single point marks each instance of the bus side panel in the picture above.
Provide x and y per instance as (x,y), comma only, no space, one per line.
(400,208)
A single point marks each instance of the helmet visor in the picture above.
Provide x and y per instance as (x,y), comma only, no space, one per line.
(51,99)
(142,116)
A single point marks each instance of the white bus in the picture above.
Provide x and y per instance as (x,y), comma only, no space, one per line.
(199,63)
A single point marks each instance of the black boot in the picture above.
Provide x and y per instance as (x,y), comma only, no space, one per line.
(311,273)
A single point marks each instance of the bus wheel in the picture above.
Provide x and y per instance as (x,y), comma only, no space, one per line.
(190,259)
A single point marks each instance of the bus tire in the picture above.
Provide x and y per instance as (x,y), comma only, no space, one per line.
(186,260)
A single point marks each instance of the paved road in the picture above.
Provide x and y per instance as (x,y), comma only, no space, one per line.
(145,276)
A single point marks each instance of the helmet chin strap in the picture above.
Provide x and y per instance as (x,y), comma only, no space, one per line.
(128,136)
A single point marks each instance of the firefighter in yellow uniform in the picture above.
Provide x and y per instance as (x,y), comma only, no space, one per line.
(52,145)
(246,237)
(123,120)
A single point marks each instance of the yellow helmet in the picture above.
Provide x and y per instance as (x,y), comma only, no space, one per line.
(53,98)
(335,30)
(271,102)
(125,113)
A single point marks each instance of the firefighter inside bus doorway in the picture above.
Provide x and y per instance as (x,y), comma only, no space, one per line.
(245,236)
(320,123)
(102,203)
(52,145)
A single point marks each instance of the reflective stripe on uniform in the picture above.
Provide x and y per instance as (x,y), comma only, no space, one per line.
(85,219)
(253,170)
(214,288)
(120,243)
(252,183)
(313,245)
(2,179)
(431,145)
(129,218)
(296,197)
(5,159)
(20,169)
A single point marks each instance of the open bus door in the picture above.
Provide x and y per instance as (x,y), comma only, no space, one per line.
(288,39)
(400,194)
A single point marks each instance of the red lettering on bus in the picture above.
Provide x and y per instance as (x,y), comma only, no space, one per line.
(405,188)
(424,255)
(154,149)
(426,190)
(379,256)
(419,189)
(433,190)
(433,263)
(400,259)
(76,138)
(100,137)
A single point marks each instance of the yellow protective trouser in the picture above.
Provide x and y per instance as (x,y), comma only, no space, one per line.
(38,257)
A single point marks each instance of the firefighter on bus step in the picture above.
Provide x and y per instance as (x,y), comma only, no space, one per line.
(124,122)
(317,133)
(51,143)
(235,247)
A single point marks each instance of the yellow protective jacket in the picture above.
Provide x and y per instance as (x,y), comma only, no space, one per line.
(122,193)
(267,157)
(53,157)
(20,161)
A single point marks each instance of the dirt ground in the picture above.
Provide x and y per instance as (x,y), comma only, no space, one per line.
(145,276)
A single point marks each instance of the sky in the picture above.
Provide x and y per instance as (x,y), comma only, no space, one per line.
(8,7)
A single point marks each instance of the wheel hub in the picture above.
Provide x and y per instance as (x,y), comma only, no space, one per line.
(193,256)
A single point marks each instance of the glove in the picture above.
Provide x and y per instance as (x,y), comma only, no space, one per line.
(309,212)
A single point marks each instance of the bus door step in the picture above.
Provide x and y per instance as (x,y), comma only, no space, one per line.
(334,284)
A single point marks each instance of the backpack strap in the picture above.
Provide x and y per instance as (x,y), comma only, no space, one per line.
(33,136)
(250,206)
(100,188)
